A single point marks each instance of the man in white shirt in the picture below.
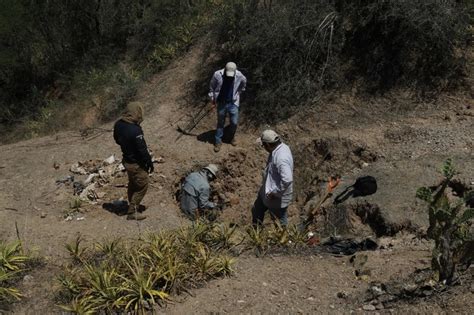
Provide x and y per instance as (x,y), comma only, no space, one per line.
(225,88)
(277,188)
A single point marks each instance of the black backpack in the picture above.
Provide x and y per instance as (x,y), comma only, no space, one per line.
(363,186)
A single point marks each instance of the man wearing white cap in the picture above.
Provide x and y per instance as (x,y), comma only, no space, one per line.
(195,192)
(277,188)
(225,88)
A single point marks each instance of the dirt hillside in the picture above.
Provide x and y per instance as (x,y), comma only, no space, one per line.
(400,142)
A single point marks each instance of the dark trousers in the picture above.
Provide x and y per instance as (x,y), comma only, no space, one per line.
(259,209)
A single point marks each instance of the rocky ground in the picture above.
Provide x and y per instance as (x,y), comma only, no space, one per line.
(402,143)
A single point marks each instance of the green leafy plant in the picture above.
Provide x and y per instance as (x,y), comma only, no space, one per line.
(11,257)
(449,222)
(76,250)
(6,291)
(14,262)
(139,291)
(257,238)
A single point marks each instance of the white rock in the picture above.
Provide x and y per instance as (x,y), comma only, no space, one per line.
(110,160)
(368,307)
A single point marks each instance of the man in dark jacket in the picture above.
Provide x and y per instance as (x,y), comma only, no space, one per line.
(136,158)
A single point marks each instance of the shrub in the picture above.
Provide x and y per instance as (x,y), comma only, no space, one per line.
(413,43)
(43,43)
(293,51)
(450,222)
(133,276)
(13,262)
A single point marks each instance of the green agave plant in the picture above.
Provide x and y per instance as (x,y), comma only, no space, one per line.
(139,288)
(81,306)
(7,292)
(11,257)
(76,250)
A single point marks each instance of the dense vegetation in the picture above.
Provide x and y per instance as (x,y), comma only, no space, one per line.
(292,51)
(127,276)
(14,263)
(97,52)
(48,48)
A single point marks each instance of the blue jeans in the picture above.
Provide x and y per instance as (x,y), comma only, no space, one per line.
(222,110)
(259,209)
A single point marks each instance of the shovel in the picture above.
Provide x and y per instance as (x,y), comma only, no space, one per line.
(333,182)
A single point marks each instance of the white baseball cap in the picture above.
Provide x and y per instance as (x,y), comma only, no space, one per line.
(213,168)
(230,68)
(269,136)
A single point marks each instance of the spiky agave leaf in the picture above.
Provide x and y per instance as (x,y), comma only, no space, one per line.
(257,238)
(204,261)
(296,235)
(81,306)
(7,292)
(110,248)
(76,250)
(103,285)
(278,236)
(11,257)
(138,287)
(224,265)
(222,236)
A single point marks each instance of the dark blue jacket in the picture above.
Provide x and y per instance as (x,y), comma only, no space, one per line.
(130,138)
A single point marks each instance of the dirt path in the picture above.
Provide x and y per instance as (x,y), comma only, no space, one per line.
(408,145)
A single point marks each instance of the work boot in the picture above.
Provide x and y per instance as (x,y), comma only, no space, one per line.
(217,147)
(234,142)
(132,213)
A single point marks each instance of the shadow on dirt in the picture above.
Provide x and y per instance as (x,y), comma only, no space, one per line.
(209,136)
(120,207)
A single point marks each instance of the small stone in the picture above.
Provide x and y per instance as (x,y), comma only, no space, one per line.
(368,307)
(28,278)
(365,164)
(410,287)
(43,215)
(310,298)
(332,306)
(265,284)
(379,306)
(342,295)
(240,301)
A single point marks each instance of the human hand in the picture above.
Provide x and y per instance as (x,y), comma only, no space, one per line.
(271,196)
(149,167)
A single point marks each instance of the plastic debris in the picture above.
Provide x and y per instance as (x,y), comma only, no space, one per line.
(65,180)
(76,168)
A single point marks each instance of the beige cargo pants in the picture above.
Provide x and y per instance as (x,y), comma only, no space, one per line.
(137,185)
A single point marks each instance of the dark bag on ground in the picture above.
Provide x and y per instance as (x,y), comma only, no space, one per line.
(363,186)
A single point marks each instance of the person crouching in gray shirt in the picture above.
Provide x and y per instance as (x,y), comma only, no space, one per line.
(195,192)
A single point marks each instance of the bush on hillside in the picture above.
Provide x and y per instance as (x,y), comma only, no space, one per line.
(293,50)
(412,43)
(43,43)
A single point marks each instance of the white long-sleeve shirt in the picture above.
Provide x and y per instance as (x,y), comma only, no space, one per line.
(278,178)
(215,86)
